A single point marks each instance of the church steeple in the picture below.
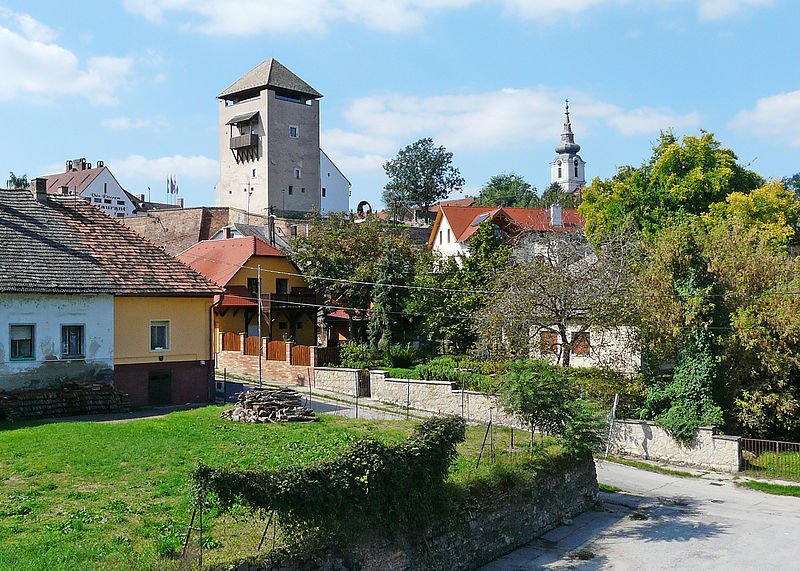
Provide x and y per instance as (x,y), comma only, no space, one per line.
(568,168)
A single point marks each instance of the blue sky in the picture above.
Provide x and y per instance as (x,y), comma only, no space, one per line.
(133,82)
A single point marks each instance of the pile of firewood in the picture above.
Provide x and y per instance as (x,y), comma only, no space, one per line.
(71,399)
(269,405)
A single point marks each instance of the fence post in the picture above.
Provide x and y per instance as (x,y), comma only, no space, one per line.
(777,458)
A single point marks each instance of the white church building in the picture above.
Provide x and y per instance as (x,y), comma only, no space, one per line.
(568,168)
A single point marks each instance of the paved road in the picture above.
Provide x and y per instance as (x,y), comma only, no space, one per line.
(665,522)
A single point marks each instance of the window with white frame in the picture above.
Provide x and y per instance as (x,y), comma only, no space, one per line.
(159,335)
(72,341)
(21,346)
(293,131)
(298,173)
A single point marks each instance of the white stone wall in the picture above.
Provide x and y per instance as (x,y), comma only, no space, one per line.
(335,185)
(47,313)
(646,440)
(430,396)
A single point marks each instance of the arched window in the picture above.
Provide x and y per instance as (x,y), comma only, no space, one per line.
(559,169)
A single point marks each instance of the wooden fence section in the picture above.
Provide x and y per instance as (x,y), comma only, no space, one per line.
(328,357)
(276,351)
(230,341)
(301,355)
(252,346)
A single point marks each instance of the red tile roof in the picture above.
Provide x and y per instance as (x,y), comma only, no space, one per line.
(466,201)
(63,245)
(75,180)
(219,260)
(240,296)
(464,221)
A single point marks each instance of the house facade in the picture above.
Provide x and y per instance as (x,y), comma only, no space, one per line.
(288,305)
(95,185)
(83,297)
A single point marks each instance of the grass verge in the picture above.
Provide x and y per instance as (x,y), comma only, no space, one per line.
(769,488)
(651,467)
(609,488)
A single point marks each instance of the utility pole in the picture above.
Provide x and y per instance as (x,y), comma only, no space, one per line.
(260,318)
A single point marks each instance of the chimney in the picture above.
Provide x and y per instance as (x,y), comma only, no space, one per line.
(100,164)
(64,190)
(140,197)
(69,166)
(180,203)
(40,189)
(555,215)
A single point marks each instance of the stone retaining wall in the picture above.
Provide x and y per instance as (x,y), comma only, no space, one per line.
(646,440)
(430,396)
(478,533)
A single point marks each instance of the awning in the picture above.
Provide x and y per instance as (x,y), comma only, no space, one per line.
(242,118)
(240,296)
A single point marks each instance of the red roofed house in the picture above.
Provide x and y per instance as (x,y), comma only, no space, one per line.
(289,306)
(95,185)
(455,224)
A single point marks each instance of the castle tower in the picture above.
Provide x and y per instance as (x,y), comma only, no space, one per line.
(568,168)
(269,142)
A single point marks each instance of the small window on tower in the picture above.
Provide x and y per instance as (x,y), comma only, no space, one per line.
(293,131)
(297,173)
(290,189)
(324,192)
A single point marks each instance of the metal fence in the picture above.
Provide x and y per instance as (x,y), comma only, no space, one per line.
(771,457)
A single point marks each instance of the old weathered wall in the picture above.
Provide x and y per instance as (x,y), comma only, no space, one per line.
(481,531)
(646,440)
(48,367)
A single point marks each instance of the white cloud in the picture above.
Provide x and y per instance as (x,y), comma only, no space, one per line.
(139,168)
(481,122)
(127,123)
(776,117)
(35,66)
(252,17)
(719,9)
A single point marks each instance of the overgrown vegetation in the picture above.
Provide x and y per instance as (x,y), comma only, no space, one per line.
(769,488)
(369,485)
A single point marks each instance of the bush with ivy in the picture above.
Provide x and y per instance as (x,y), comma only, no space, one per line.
(371,485)
(354,355)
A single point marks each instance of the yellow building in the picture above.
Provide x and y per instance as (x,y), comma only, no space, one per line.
(289,306)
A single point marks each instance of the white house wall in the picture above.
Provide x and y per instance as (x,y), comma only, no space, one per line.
(614,348)
(445,242)
(47,313)
(106,194)
(334,187)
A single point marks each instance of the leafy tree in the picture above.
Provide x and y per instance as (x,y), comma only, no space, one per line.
(342,259)
(544,399)
(17,182)
(508,189)
(420,175)
(681,178)
(458,287)
(793,183)
(558,283)
(554,194)
(386,322)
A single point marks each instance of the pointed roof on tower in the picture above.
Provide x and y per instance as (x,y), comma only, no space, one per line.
(270,74)
(567,145)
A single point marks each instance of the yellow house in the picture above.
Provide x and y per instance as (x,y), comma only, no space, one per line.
(289,306)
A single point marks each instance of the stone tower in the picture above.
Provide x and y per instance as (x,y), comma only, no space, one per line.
(269,142)
(568,167)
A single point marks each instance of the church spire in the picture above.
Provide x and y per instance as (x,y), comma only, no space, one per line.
(568,144)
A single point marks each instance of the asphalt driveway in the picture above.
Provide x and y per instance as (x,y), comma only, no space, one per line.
(667,522)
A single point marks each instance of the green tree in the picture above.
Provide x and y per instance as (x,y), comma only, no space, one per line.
(17,182)
(508,189)
(457,288)
(387,322)
(681,178)
(554,194)
(420,175)
(793,183)
(342,259)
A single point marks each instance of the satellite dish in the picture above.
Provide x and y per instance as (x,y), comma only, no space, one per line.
(363,209)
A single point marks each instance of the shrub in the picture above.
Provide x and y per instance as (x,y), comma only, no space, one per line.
(401,356)
(356,355)
(370,484)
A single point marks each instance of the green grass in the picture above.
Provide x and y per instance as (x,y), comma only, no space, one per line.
(609,488)
(651,467)
(784,466)
(768,488)
(89,495)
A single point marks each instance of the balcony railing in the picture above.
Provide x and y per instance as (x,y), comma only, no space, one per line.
(244,141)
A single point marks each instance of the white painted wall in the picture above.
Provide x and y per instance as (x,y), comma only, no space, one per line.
(48,313)
(445,242)
(334,186)
(106,194)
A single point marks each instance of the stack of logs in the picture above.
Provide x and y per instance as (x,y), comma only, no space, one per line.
(72,399)
(269,405)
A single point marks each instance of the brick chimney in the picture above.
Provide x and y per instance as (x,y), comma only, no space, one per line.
(40,189)
(180,203)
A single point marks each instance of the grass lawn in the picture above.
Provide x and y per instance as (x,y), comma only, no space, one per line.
(90,495)
(785,466)
(775,489)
